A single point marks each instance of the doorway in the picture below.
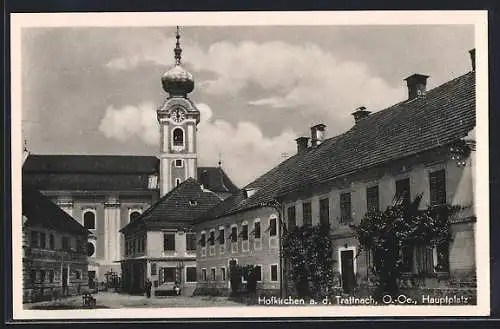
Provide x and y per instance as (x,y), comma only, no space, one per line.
(347,270)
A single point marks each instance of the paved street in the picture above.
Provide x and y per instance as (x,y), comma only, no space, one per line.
(115,300)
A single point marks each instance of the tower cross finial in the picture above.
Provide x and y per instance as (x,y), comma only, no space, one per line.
(177,49)
(220,159)
(25,145)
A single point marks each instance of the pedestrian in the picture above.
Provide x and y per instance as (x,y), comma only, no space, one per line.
(148,288)
(177,288)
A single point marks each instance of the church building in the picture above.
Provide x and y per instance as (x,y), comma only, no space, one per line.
(107,192)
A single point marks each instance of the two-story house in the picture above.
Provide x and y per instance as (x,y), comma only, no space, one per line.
(160,245)
(54,249)
(424,144)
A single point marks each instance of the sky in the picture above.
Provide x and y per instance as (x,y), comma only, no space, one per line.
(95,90)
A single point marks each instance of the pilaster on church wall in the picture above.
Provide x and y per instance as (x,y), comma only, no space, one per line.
(111,229)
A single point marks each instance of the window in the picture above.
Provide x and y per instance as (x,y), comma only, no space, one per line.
(258,268)
(272,226)
(403,190)
(306,214)
(154,270)
(204,274)
(43,240)
(406,258)
(78,275)
(222,238)
(51,242)
(190,274)
(223,273)
(89,220)
(34,239)
(274,273)
(178,137)
(372,199)
(65,243)
(178,163)
(203,240)
(33,276)
(345,207)
(212,274)
(291,217)
(324,211)
(134,215)
(51,276)
(191,241)
(256,229)
(42,276)
(211,239)
(443,257)
(244,232)
(169,274)
(169,242)
(234,234)
(437,187)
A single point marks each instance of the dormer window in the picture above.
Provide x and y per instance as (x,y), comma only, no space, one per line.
(193,203)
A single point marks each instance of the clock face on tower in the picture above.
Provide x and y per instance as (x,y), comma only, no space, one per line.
(178,115)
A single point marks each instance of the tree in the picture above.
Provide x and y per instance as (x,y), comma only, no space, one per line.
(402,225)
(308,251)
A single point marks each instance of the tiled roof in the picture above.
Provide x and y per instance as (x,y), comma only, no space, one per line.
(179,208)
(39,209)
(91,164)
(216,180)
(107,172)
(87,182)
(444,115)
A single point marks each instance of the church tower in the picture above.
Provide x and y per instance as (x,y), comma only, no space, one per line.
(178,118)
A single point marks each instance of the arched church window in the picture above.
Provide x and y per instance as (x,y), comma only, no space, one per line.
(89,220)
(178,137)
(134,215)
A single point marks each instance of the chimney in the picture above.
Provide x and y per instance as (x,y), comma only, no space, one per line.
(416,85)
(472,54)
(360,113)
(317,134)
(302,144)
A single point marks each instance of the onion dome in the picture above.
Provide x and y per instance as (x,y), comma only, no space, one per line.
(177,81)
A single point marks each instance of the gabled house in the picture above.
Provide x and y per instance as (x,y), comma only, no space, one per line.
(160,244)
(54,249)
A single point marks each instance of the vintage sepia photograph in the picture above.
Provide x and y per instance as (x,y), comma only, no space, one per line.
(250,164)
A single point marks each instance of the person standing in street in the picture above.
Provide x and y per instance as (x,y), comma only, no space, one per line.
(148,286)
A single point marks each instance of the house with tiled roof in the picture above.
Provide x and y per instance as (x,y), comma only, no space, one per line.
(160,245)
(423,144)
(106,192)
(54,249)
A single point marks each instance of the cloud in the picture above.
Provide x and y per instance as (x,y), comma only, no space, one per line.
(131,122)
(292,76)
(246,152)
